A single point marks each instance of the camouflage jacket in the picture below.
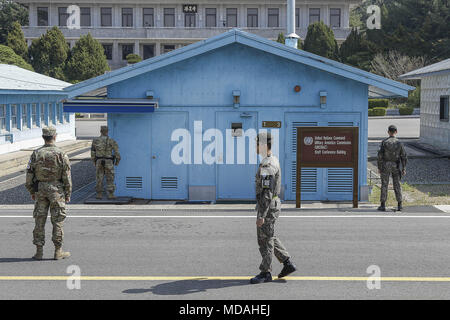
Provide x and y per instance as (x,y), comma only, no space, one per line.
(267,200)
(105,147)
(391,149)
(51,165)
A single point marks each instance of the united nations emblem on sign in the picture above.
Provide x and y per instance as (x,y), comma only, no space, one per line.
(308,141)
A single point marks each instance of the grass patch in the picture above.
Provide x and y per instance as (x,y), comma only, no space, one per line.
(415,195)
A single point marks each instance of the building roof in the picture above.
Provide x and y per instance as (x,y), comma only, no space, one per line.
(432,69)
(378,86)
(17,80)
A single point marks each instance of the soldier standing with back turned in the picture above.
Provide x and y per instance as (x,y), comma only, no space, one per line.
(105,155)
(49,182)
(390,155)
(268,206)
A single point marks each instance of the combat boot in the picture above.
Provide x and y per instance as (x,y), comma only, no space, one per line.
(262,277)
(99,195)
(39,253)
(382,207)
(111,195)
(400,207)
(60,254)
(288,268)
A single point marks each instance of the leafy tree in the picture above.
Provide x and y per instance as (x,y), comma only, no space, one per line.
(11,11)
(87,60)
(133,58)
(16,41)
(48,53)
(320,40)
(357,51)
(8,56)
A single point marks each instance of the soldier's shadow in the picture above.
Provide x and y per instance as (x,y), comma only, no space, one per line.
(183,287)
(12,260)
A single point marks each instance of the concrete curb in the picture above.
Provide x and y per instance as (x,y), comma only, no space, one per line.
(14,164)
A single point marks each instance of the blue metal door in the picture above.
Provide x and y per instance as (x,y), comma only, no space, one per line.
(236,175)
(317,183)
(169,180)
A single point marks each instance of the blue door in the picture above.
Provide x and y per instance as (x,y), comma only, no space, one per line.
(169,180)
(334,184)
(236,175)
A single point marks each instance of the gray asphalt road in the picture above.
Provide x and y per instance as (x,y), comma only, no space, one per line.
(323,244)
(407,128)
(87,129)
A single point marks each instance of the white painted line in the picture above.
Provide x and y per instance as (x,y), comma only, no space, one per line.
(238,217)
(443,207)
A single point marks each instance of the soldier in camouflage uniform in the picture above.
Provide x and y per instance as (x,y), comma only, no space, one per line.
(268,207)
(390,155)
(49,182)
(105,155)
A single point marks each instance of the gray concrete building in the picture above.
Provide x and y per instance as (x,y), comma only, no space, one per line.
(150,27)
(434,102)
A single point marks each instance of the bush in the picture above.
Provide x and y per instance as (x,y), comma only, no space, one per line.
(8,56)
(405,110)
(377,111)
(378,103)
(133,58)
(414,99)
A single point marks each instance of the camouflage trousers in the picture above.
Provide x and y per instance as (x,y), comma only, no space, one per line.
(269,244)
(390,169)
(51,197)
(105,168)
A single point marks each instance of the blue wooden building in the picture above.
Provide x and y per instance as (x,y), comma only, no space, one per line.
(183,118)
(28,102)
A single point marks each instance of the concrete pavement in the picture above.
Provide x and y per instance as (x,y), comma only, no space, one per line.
(187,255)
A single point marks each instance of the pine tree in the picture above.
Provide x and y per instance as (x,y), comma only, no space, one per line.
(16,41)
(11,11)
(48,53)
(320,40)
(87,60)
(357,51)
(8,56)
(281,38)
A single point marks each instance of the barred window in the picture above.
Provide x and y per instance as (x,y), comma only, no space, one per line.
(2,117)
(13,116)
(34,115)
(24,116)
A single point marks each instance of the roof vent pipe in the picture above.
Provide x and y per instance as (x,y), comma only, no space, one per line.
(291,38)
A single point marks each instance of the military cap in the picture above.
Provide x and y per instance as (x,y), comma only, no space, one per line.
(392,128)
(49,131)
(104,128)
(264,137)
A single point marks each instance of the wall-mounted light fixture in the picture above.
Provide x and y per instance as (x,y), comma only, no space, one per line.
(323,99)
(150,94)
(236,98)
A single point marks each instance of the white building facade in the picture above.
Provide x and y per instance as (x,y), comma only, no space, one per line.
(434,103)
(150,28)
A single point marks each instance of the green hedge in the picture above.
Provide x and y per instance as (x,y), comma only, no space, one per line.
(378,103)
(405,110)
(377,112)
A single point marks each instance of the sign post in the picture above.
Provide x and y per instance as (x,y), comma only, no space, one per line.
(327,147)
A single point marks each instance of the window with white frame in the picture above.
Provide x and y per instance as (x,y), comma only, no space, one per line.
(33,115)
(13,116)
(211,20)
(231,17)
(24,116)
(273,17)
(51,113)
(335,17)
(252,17)
(2,117)
(169,17)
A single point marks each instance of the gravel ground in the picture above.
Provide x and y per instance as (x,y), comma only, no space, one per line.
(424,171)
(13,191)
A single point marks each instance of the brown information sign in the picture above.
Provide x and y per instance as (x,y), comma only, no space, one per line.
(327,147)
(271,124)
